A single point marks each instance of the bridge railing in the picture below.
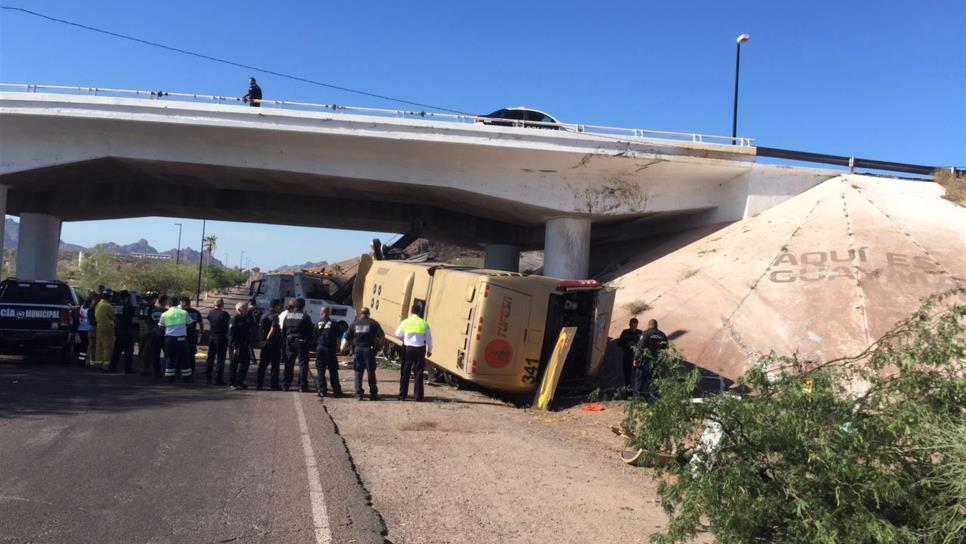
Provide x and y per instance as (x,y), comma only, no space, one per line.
(593,130)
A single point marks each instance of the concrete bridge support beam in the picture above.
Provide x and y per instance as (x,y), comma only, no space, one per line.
(566,248)
(37,247)
(502,257)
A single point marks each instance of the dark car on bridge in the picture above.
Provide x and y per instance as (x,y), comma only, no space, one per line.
(38,316)
(520,117)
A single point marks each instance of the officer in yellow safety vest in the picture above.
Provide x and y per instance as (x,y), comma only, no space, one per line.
(418,341)
(175,324)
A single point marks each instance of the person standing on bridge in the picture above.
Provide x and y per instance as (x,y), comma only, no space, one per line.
(326,348)
(270,333)
(254,95)
(174,323)
(366,335)
(219,320)
(297,328)
(104,317)
(240,343)
(418,343)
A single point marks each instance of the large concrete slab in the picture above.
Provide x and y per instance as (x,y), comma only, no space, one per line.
(821,275)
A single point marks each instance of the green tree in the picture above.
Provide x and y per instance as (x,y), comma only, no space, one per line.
(867,449)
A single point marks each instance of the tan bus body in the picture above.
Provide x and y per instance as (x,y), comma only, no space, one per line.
(492,328)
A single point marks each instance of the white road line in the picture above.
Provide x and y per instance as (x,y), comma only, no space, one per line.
(320,518)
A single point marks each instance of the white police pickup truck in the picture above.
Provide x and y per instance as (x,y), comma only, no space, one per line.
(38,316)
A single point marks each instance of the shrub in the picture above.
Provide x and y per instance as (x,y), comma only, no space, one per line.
(637,307)
(867,449)
(954,183)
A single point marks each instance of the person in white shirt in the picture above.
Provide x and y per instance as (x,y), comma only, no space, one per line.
(418,341)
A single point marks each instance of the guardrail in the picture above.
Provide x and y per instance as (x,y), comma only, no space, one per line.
(853,162)
(594,130)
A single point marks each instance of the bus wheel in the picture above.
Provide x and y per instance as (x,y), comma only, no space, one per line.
(452,381)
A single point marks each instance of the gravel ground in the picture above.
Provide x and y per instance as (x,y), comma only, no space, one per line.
(463,467)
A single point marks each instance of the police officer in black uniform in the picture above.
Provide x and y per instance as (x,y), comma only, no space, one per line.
(147,334)
(366,336)
(270,334)
(196,327)
(652,342)
(240,336)
(327,346)
(297,329)
(254,94)
(627,342)
(157,344)
(218,320)
(124,327)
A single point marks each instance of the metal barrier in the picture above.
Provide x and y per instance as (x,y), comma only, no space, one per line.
(594,130)
(852,162)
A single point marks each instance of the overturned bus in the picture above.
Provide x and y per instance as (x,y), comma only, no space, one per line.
(492,328)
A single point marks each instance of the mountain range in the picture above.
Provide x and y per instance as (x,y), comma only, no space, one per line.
(11,235)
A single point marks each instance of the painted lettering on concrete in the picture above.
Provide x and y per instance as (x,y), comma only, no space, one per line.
(814,266)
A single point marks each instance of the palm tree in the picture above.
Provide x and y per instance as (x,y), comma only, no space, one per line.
(208,244)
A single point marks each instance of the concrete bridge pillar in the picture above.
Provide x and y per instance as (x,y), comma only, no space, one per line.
(566,248)
(37,247)
(502,257)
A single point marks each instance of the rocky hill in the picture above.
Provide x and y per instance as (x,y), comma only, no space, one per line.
(11,235)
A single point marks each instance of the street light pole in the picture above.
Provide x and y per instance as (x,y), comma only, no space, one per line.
(201,260)
(734,112)
(241,258)
(177,258)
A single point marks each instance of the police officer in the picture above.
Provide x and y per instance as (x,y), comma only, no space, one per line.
(652,342)
(418,342)
(327,346)
(196,327)
(297,329)
(124,324)
(365,335)
(147,333)
(270,333)
(254,94)
(240,331)
(174,322)
(628,342)
(219,320)
(157,343)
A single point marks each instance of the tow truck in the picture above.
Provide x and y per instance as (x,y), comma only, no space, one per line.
(318,289)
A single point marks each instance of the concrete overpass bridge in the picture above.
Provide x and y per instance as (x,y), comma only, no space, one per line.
(71,154)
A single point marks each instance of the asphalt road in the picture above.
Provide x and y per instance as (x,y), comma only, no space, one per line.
(103,458)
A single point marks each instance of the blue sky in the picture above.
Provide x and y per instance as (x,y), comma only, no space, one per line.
(883,80)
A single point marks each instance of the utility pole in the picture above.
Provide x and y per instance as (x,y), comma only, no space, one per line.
(734,112)
(201,260)
(177,258)
(241,258)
